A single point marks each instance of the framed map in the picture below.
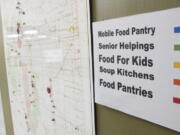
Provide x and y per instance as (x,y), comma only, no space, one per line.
(47,57)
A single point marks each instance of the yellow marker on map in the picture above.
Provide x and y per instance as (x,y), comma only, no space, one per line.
(72,28)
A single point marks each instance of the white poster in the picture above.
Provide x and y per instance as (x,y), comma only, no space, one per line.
(137,66)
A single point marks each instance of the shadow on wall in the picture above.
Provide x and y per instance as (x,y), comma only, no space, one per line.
(2,125)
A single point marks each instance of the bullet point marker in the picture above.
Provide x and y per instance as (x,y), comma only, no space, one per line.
(176,64)
(177,47)
(176,82)
(177,30)
(176,100)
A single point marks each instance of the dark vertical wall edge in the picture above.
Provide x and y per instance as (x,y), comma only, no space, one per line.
(92,54)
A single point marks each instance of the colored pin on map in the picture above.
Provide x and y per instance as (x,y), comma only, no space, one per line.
(49,90)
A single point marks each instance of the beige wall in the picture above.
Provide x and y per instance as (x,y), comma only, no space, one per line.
(108,121)
(106,9)
(2,124)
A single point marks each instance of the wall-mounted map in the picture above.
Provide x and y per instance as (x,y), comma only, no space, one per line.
(47,57)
